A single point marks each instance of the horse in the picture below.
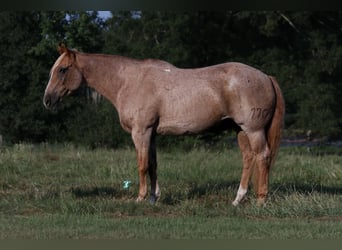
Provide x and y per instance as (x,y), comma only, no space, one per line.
(154,97)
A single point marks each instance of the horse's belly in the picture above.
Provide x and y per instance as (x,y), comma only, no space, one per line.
(190,110)
(179,128)
(188,122)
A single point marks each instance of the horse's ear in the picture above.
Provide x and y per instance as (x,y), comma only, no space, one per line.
(62,48)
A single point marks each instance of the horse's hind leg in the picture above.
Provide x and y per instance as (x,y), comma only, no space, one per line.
(152,170)
(247,162)
(262,153)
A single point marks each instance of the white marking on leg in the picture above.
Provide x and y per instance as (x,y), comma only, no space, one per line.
(167,70)
(157,192)
(240,194)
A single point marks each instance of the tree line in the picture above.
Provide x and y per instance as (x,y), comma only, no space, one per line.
(302,49)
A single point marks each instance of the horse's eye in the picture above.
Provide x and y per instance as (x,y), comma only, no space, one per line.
(63,70)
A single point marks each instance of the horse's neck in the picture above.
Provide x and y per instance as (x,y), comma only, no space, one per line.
(102,73)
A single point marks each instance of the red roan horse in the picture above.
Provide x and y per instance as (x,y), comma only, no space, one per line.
(154,97)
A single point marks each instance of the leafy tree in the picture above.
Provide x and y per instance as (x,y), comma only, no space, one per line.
(18,34)
(28,50)
(303,49)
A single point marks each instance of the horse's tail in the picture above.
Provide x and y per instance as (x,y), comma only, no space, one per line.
(274,131)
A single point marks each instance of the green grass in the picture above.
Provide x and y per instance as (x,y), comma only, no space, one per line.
(63,191)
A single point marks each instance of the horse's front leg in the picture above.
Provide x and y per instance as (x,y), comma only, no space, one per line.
(152,170)
(147,162)
(142,142)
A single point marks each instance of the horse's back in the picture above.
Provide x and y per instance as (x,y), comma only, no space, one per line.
(192,100)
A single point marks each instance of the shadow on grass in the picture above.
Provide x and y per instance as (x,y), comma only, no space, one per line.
(306,189)
(83,192)
(168,197)
(196,191)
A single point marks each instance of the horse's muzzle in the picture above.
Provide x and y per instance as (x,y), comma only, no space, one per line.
(50,101)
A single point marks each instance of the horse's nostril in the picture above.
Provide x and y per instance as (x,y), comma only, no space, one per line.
(47,102)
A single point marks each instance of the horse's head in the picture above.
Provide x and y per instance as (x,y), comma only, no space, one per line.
(65,77)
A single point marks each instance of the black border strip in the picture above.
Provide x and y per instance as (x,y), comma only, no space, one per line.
(183,5)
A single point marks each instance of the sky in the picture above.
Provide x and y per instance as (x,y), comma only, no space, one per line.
(105,14)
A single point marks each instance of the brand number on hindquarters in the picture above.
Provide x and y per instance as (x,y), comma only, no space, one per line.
(259,113)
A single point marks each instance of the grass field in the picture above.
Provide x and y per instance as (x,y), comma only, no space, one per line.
(63,192)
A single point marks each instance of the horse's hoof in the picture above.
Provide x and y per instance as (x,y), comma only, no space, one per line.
(153,199)
(139,199)
(261,202)
(235,203)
